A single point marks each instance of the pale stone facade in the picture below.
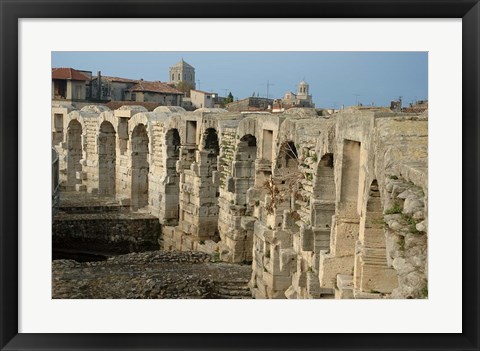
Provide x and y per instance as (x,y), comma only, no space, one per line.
(321,207)
(202,99)
(182,72)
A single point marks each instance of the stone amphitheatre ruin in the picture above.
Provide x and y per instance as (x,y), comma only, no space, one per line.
(318,207)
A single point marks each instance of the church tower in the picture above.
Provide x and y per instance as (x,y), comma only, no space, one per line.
(182,71)
(304,99)
(302,90)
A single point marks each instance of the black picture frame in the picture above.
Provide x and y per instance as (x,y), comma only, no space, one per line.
(12,11)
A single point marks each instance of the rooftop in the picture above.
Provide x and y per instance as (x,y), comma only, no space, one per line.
(182,63)
(118,79)
(203,92)
(155,87)
(69,74)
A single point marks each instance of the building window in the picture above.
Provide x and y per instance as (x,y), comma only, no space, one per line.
(179,76)
(173,76)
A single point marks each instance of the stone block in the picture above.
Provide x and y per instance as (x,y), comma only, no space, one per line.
(248,222)
(124,201)
(253,195)
(92,190)
(330,266)
(322,213)
(277,282)
(299,280)
(81,175)
(288,260)
(377,278)
(344,288)
(80,187)
(344,237)
(313,285)
(216,175)
(291,293)
(306,239)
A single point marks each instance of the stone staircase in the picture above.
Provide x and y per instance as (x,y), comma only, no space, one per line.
(232,289)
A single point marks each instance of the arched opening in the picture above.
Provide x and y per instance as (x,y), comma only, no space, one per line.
(324,188)
(340,261)
(107,153)
(372,273)
(140,168)
(323,204)
(244,167)
(74,153)
(288,178)
(172,188)
(210,144)
(288,156)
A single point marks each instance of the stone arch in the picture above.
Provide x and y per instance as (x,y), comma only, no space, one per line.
(140,167)
(372,273)
(74,154)
(107,155)
(172,187)
(73,116)
(137,119)
(108,116)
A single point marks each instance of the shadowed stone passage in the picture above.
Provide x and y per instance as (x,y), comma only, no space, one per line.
(140,168)
(106,159)
(236,208)
(372,274)
(244,168)
(74,155)
(340,259)
(212,149)
(172,187)
(323,204)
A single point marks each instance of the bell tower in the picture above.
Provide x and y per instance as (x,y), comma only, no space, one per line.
(182,71)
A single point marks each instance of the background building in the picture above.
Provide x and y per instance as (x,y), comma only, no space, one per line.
(301,99)
(70,84)
(202,99)
(110,88)
(182,72)
(159,92)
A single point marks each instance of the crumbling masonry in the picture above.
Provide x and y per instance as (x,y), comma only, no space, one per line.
(321,207)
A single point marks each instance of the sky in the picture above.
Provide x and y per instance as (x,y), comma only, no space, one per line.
(335,78)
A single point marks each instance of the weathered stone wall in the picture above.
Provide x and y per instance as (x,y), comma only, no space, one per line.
(106,232)
(321,207)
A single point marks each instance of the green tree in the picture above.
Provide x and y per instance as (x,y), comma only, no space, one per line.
(185,87)
(229,98)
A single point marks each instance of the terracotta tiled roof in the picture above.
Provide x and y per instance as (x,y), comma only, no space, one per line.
(69,73)
(118,79)
(155,87)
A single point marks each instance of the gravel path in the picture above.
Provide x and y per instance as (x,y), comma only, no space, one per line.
(150,275)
